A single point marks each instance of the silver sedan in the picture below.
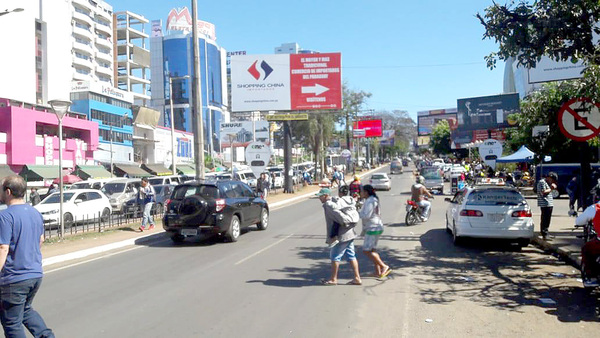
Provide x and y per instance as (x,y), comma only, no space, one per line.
(380,181)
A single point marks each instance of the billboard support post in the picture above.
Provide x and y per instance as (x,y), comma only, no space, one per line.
(197,116)
(287,158)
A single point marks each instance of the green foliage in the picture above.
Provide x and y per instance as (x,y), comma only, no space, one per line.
(440,138)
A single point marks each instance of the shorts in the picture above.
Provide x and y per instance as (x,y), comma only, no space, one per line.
(371,240)
(338,251)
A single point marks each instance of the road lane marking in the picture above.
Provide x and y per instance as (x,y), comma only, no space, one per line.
(91,260)
(263,250)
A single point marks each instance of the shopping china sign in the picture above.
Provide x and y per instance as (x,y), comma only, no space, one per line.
(286,82)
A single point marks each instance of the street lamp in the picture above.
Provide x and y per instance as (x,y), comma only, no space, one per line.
(173,153)
(6,11)
(60,108)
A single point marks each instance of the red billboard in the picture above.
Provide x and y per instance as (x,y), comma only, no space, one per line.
(370,128)
(316,81)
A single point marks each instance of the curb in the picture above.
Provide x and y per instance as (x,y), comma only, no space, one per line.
(573,258)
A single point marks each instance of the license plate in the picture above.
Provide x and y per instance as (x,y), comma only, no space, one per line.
(189,232)
(496,217)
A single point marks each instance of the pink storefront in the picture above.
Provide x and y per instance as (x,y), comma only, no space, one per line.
(29,136)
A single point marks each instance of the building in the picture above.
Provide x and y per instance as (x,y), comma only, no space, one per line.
(292,48)
(111,109)
(172,56)
(131,57)
(29,136)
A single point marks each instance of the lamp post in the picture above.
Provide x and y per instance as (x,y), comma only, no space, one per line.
(11,11)
(60,108)
(173,153)
(231,137)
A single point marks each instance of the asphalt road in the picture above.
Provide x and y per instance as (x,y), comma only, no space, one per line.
(267,285)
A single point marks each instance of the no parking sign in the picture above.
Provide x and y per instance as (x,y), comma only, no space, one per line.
(579,119)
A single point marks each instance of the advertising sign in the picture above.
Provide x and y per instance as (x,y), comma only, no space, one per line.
(461,138)
(180,19)
(102,89)
(240,133)
(489,151)
(258,155)
(156,28)
(388,138)
(287,117)
(286,82)
(547,70)
(487,112)
(372,128)
(428,122)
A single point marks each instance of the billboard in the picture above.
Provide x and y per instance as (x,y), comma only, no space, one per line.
(370,128)
(426,122)
(286,82)
(460,138)
(388,138)
(487,112)
(547,70)
(240,133)
(180,19)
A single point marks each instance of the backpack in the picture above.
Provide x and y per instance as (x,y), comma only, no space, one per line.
(348,211)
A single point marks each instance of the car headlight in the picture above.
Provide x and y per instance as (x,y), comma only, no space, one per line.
(51,212)
(113,200)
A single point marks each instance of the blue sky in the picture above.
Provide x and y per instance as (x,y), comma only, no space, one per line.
(411,55)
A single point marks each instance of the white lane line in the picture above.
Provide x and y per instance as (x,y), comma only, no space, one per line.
(405,329)
(263,250)
(91,260)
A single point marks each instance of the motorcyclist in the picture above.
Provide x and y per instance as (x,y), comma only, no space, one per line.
(418,193)
(590,250)
(355,186)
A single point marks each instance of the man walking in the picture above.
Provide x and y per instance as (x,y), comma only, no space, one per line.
(345,236)
(546,201)
(262,186)
(146,197)
(21,235)
(34,197)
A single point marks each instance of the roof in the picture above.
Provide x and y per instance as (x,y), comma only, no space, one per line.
(6,171)
(39,172)
(132,170)
(521,155)
(185,169)
(157,169)
(92,172)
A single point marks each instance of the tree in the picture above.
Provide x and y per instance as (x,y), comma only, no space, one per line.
(440,138)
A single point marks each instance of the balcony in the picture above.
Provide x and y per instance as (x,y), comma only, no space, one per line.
(83,63)
(85,4)
(83,32)
(104,43)
(104,57)
(83,48)
(104,15)
(105,71)
(83,18)
(81,77)
(132,79)
(103,29)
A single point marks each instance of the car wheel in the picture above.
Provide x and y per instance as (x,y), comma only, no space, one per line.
(457,240)
(68,219)
(555,193)
(233,233)
(264,219)
(105,215)
(176,238)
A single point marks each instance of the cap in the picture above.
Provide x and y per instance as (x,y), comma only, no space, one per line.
(324,191)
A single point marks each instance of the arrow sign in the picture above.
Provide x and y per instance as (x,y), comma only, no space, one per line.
(317,89)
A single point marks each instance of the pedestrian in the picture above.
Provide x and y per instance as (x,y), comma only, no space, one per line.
(345,237)
(372,230)
(573,192)
(590,252)
(335,177)
(146,198)
(262,186)
(34,197)
(21,235)
(546,201)
(52,189)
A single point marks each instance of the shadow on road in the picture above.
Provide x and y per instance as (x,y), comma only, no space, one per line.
(497,275)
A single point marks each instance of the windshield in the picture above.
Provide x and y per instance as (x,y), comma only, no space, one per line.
(81,186)
(250,175)
(155,181)
(378,177)
(55,198)
(431,175)
(495,197)
(113,188)
(204,191)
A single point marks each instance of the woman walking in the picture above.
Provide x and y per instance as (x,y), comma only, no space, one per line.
(372,229)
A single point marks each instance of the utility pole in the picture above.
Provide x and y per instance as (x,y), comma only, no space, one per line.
(197,116)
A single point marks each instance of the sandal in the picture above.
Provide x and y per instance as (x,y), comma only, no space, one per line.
(386,272)
(328,282)
(354,282)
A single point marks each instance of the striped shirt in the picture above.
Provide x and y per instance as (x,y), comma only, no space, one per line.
(547,200)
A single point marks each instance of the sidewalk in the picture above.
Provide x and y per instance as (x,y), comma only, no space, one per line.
(81,245)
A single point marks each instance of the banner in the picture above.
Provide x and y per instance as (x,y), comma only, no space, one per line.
(240,133)
(487,112)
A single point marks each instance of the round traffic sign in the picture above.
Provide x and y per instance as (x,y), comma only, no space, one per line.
(579,119)
(346,153)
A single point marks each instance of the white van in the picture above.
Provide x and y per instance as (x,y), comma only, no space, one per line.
(91,184)
(120,191)
(169,179)
(246,176)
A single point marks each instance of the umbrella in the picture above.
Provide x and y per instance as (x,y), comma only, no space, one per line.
(67,179)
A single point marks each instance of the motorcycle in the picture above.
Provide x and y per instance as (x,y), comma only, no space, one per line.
(589,234)
(414,213)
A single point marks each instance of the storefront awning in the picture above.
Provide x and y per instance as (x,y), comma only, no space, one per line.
(132,171)
(86,172)
(6,171)
(186,169)
(157,169)
(39,172)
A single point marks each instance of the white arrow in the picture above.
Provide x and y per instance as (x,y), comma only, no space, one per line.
(317,89)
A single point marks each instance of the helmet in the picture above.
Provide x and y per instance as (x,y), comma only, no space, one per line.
(356,178)
(420,179)
(343,190)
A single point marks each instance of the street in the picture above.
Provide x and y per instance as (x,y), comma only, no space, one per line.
(267,285)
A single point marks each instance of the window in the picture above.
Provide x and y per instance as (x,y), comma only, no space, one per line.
(93,196)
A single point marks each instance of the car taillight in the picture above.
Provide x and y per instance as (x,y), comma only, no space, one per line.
(219,204)
(471,213)
(167,203)
(522,213)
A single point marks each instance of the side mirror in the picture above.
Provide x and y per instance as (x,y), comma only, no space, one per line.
(448,199)
(77,201)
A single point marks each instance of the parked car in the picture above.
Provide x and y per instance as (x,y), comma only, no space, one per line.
(120,191)
(169,179)
(246,176)
(489,212)
(380,181)
(454,172)
(218,207)
(163,192)
(90,184)
(78,206)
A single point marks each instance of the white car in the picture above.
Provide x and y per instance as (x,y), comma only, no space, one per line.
(278,178)
(489,212)
(380,181)
(78,206)
(454,172)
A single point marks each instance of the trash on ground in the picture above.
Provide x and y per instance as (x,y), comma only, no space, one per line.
(428,320)
(579,280)
(467,279)
(558,274)
(547,301)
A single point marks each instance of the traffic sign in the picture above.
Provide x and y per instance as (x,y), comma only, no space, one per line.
(287,117)
(258,155)
(316,81)
(579,119)
(489,151)
(359,132)
(346,153)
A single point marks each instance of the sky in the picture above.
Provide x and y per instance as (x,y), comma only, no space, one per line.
(410,55)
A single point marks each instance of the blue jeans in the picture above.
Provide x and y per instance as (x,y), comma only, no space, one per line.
(16,310)
(148,214)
